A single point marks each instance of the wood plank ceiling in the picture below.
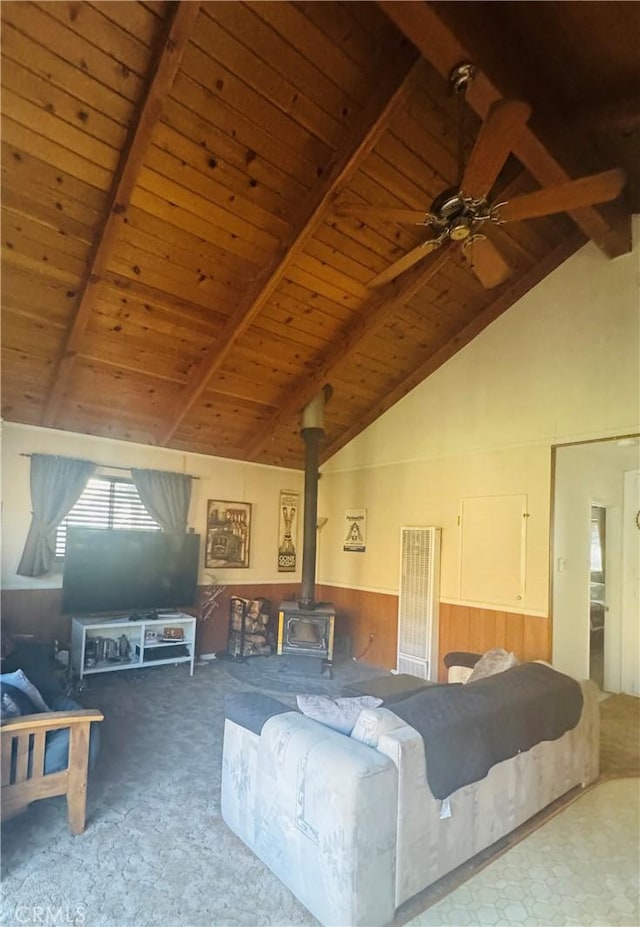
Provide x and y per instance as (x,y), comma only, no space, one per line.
(175,270)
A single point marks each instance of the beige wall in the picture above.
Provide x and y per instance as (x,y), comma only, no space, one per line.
(561,365)
(218,479)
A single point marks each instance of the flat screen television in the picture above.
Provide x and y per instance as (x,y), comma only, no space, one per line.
(128,571)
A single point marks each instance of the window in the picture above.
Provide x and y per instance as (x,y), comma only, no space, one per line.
(107,502)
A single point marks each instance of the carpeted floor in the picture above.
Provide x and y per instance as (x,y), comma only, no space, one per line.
(620,735)
(270,674)
(156,851)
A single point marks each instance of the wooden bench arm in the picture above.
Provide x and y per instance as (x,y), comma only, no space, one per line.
(50,720)
(23,752)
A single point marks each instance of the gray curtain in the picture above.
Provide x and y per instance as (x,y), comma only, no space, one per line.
(56,485)
(166,496)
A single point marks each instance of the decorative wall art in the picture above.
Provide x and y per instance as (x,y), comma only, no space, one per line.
(288,531)
(228,534)
(355,537)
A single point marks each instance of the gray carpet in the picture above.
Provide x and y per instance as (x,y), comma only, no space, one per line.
(619,735)
(156,851)
(272,674)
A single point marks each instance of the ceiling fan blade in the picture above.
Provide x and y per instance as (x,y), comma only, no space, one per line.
(486,262)
(408,260)
(587,191)
(410,216)
(495,142)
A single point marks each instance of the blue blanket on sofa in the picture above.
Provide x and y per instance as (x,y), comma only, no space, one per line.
(467,729)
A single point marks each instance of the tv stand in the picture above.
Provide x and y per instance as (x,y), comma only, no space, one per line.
(104,645)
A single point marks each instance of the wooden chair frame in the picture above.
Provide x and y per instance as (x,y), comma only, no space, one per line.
(22,765)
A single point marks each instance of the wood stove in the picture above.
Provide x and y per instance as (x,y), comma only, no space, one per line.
(305,636)
(305,627)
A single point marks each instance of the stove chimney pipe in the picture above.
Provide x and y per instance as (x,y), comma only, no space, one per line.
(312,433)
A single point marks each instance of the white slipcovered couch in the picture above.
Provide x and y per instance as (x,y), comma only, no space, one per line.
(354,830)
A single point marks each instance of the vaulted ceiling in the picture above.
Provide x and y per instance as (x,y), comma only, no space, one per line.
(183,264)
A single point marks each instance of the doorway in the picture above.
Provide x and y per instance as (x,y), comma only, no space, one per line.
(595,545)
(597,593)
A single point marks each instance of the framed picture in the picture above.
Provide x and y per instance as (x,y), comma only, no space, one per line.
(288,531)
(228,534)
(355,530)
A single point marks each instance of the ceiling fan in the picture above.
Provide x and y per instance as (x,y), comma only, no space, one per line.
(459,213)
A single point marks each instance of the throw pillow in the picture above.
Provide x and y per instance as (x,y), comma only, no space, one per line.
(20,681)
(6,644)
(493,661)
(9,707)
(371,724)
(340,713)
(14,703)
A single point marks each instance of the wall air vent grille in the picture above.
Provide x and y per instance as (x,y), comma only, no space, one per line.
(418,602)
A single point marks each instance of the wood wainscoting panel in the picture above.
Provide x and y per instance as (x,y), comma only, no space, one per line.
(37,611)
(361,614)
(463,627)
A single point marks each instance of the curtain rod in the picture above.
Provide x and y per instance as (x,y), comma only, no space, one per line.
(107,466)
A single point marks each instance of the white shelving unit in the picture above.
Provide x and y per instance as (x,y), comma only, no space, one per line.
(88,653)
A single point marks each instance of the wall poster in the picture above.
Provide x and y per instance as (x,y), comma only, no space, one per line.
(288,531)
(355,535)
(228,534)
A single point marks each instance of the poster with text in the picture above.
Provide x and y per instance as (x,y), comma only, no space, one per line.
(355,538)
(288,530)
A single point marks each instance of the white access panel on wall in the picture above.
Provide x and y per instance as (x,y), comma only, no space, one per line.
(418,602)
(493,536)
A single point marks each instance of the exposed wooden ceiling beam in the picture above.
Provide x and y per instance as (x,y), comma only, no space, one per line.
(621,115)
(438,44)
(397,81)
(372,315)
(509,294)
(177,32)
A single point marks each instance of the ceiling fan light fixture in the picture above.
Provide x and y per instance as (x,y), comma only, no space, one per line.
(460,228)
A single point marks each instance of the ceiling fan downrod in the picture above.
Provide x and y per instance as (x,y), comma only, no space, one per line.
(461,76)
(459,80)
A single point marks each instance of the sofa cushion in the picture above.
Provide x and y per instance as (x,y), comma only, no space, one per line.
(372,722)
(340,713)
(493,661)
(250,709)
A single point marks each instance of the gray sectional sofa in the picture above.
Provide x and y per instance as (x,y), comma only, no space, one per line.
(351,824)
